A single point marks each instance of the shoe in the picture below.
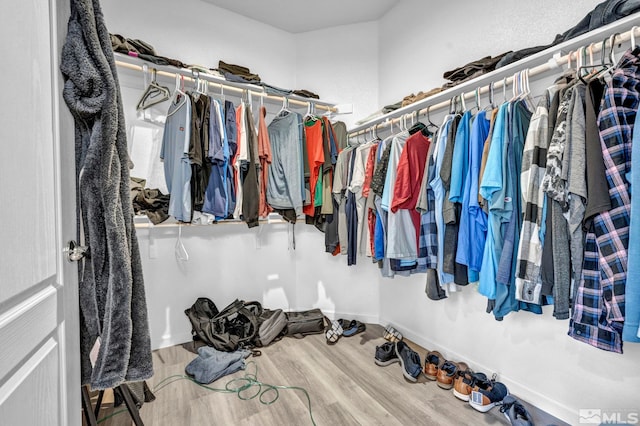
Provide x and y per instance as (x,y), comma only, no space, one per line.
(432,362)
(465,381)
(446,374)
(515,412)
(391,334)
(386,354)
(353,327)
(333,334)
(410,361)
(484,400)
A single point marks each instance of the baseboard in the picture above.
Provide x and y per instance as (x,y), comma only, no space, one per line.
(173,340)
(368,319)
(519,389)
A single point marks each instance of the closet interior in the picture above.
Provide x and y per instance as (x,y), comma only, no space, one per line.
(456,221)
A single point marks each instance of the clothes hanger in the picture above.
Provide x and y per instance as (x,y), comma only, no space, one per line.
(417,126)
(431,124)
(309,115)
(285,107)
(154,93)
(477,99)
(491,105)
(179,97)
(504,89)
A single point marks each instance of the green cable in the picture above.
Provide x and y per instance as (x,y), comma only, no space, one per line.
(237,386)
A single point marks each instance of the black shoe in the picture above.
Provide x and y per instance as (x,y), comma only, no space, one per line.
(515,412)
(410,361)
(386,354)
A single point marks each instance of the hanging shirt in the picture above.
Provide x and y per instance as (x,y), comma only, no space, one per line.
(631,328)
(199,148)
(315,158)
(216,196)
(264,153)
(573,173)
(231,132)
(340,183)
(175,154)
(428,244)
(356,186)
(460,162)
(410,171)
(505,276)
(439,194)
(556,188)
(491,189)
(286,171)
(473,221)
(240,160)
(401,240)
(250,189)
(528,276)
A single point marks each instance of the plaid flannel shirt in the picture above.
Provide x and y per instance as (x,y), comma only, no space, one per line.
(599,307)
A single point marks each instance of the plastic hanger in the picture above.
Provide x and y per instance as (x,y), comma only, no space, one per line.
(154,93)
(310,115)
(491,105)
(477,99)
(180,250)
(431,124)
(179,97)
(285,107)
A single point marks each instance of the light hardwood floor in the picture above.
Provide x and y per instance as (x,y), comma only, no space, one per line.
(345,386)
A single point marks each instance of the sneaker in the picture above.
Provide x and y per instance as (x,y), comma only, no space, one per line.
(392,335)
(432,362)
(515,412)
(446,374)
(334,332)
(484,400)
(466,380)
(386,354)
(410,361)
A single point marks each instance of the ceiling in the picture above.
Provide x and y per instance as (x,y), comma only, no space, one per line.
(297,16)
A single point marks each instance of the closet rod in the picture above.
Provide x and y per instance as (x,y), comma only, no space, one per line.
(141,222)
(188,76)
(428,105)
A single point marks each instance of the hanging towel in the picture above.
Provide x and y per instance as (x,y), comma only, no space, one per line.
(112,298)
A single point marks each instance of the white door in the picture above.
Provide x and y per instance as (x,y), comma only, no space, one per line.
(39,349)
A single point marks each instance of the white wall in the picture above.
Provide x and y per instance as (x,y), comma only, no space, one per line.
(229,261)
(197,32)
(341,65)
(420,40)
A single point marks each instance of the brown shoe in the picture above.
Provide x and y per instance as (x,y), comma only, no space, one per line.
(462,382)
(468,381)
(432,363)
(446,374)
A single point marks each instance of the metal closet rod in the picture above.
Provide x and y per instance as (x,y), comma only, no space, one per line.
(188,76)
(552,63)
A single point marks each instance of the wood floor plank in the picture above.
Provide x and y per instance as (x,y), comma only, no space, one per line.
(346,387)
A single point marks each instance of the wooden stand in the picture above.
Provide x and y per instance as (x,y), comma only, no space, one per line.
(91,415)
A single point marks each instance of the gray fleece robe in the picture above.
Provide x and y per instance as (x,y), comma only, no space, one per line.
(112,298)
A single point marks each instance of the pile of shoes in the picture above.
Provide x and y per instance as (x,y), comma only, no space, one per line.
(473,387)
(342,327)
